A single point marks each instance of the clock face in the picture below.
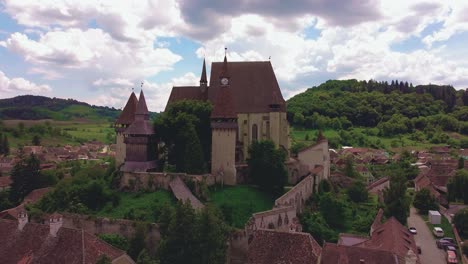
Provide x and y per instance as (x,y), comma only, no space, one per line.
(224,81)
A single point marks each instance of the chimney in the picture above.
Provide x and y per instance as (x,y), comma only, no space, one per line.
(55,222)
(362,261)
(22,220)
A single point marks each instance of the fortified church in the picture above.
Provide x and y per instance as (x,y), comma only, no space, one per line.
(247,106)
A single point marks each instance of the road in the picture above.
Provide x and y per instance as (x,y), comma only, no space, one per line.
(430,253)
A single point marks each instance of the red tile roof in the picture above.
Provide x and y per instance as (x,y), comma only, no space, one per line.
(391,236)
(35,243)
(275,247)
(5,181)
(341,254)
(141,125)
(253,84)
(351,239)
(128,113)
(36,195)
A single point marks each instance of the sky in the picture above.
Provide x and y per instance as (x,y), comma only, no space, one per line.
(96,51)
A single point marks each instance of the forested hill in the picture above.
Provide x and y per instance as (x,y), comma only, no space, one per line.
(394,107)
(31,107)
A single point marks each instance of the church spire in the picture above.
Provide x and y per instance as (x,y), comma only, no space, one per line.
(142,108)
(203,80)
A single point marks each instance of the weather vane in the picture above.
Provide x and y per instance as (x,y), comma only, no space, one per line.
(142,84)
(225,51)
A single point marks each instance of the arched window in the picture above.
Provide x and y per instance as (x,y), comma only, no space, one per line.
(254,132)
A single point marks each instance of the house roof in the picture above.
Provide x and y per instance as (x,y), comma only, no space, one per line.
(342,254)
(35,195)
(376,183)
(350,239)
(5,181)
(128,113)
(275,247)
(393,237)
(34,243)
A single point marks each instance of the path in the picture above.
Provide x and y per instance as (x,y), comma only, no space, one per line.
(182,193)
(430,253)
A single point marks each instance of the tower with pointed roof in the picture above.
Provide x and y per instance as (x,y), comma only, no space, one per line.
(203,80)
(139,139)
(125,119)
(224,132)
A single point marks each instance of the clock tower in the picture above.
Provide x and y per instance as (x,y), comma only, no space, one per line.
(224,132)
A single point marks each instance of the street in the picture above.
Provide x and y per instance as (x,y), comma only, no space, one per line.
(430,253)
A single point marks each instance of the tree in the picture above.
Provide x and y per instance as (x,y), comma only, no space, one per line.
(211,234)
(266,166)
(5,147)
(178,246)
(137,243)
(458,186)
(349,169)
(396,201)
(176,128)
(315,224)
(424,201)
(357,192)
(25,177)
(36,140)
(461,163)
(461,221)
(333,210)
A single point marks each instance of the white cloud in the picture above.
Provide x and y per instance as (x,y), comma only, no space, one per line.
(16,86)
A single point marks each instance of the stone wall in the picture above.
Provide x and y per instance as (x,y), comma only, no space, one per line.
(136,181)
(297,196)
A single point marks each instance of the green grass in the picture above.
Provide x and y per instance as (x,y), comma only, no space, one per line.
(78,131)
(299,135)
(238,203)
(445,225)
(138,206)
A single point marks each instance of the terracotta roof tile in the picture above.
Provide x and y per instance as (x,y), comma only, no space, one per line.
(275,247)
(5,181)
(128,113)
(35,244)
(341,254)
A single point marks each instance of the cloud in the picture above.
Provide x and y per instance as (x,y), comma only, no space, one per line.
(16,86)
(209,18)
(156,94)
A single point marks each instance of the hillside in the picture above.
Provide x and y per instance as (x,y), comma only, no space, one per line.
(30,107)
(436,114)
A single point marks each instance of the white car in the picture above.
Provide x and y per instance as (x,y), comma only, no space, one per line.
(438,232)
(412,230)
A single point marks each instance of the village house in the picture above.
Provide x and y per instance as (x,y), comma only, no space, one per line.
(25,242)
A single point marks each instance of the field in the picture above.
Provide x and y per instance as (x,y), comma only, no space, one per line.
(307,137)
(71,132)
(239,202)
(138,206)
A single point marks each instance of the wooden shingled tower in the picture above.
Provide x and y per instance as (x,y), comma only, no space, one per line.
(224,132)
(139,138)
(124,120)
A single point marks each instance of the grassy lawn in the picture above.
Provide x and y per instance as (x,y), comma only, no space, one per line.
(239,202)
(72,132)
(138,206)
(445,225)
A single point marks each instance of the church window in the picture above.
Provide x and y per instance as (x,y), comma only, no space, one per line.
(254,133)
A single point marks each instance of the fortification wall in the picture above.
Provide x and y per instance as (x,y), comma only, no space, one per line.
(136,181)
(297,196)
(125,228)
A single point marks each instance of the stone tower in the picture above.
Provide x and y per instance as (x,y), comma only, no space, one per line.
(140,142)
(224,132)
(125,119)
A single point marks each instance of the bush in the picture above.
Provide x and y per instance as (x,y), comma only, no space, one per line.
(424,201)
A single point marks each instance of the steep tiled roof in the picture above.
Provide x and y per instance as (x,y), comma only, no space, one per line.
(37,194)
(341,254)
(393,237)
(350,239)
(203,74)
(141,125)
(180,93)
(275,247)
(253,86)
(128,113)
(377,183)
(35,244)
(5,181)
(223,105)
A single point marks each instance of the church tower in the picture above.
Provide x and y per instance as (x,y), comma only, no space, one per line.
(140,141)
(125,119)
(224,130)
(203,80)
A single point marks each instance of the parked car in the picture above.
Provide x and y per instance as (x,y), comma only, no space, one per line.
(446,241)
(412,230)
(451,257)
(451,248)
(438,232)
